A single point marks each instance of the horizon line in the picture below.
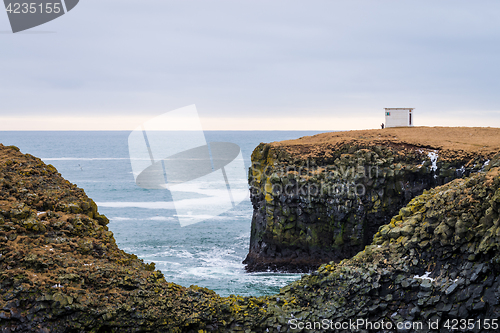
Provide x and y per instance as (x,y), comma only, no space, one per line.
(238,130)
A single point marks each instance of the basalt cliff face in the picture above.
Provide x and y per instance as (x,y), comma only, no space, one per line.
(434,268)
(322,198)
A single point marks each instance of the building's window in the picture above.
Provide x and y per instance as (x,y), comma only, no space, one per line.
(387,113)
(410,118)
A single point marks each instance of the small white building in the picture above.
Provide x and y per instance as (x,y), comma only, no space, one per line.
(399,117)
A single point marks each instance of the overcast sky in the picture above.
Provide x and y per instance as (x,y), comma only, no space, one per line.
(273,64)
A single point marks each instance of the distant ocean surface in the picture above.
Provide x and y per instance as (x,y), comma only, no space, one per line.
(207,254)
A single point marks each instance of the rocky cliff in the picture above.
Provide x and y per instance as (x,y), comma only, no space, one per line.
(434,267)
(61,270)
(322,198)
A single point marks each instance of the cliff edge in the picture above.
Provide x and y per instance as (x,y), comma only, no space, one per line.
(322,198)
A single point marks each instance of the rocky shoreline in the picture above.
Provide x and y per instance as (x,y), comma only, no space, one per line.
(435,262)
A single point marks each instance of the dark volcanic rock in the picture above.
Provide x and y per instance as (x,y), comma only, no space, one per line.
(61,271)
(433,267)
(444,270)
(315,203)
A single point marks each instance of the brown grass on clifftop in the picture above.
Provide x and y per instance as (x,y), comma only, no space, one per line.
(482,140)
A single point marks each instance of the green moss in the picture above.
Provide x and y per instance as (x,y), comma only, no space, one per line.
(339,239)
(14,148)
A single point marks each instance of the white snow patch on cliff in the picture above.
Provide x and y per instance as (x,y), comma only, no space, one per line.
(424,277)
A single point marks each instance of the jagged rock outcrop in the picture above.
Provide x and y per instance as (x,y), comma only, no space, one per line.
(61,270)
(322,198)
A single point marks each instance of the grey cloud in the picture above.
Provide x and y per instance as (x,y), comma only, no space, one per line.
(260,58)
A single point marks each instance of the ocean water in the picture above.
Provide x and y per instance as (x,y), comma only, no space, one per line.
(207,254)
